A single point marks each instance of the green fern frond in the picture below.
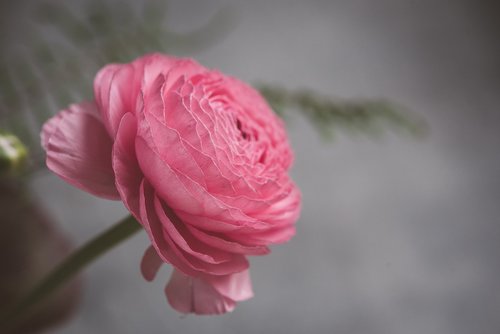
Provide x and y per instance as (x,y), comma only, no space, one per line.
(356,116)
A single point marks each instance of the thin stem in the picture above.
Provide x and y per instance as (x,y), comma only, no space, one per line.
(71,266)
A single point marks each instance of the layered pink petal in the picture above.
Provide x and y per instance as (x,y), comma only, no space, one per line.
(79,150)
(117,87)
(222,242)
(172,68)
(182,237)
(169,142)
(199,257)
(152,66)
(277,235)
(164,247)
(188,195)
(184,258)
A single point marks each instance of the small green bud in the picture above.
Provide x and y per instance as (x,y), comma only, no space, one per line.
(13,154)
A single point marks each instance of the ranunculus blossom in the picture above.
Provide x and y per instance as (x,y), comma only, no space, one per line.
(197,157)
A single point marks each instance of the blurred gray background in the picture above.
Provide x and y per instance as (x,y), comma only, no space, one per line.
(397,236)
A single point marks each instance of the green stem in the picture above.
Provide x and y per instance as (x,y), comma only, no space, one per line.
(71,266)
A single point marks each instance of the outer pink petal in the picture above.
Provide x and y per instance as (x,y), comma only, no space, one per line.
(195,295)
(127,172)
(49,128)
(153,65)
(179,292)
(179,233)
(284,210)
(116,88)
(237,286)
(150,264)
(164,246)
(272,236)
(79,150)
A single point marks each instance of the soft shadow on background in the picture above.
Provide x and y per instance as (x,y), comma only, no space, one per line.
(397,235)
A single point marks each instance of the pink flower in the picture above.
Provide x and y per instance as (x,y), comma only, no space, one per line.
(197,157)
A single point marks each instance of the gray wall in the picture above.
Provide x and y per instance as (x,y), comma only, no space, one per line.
(397,236)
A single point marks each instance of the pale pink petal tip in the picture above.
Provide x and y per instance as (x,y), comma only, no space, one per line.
(196,295)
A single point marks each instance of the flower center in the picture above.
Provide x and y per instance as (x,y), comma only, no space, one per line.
(243,133)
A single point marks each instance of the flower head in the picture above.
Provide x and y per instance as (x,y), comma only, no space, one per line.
(197,157)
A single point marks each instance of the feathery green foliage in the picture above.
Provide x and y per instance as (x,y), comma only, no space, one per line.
(355,116)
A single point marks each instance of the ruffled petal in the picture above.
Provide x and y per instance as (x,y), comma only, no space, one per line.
(118,86)
(79,150)
(153,65)
(168,143)
(181,254)
(202,258)
(163,245)
(188,196)
(272,236)
(180,235)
